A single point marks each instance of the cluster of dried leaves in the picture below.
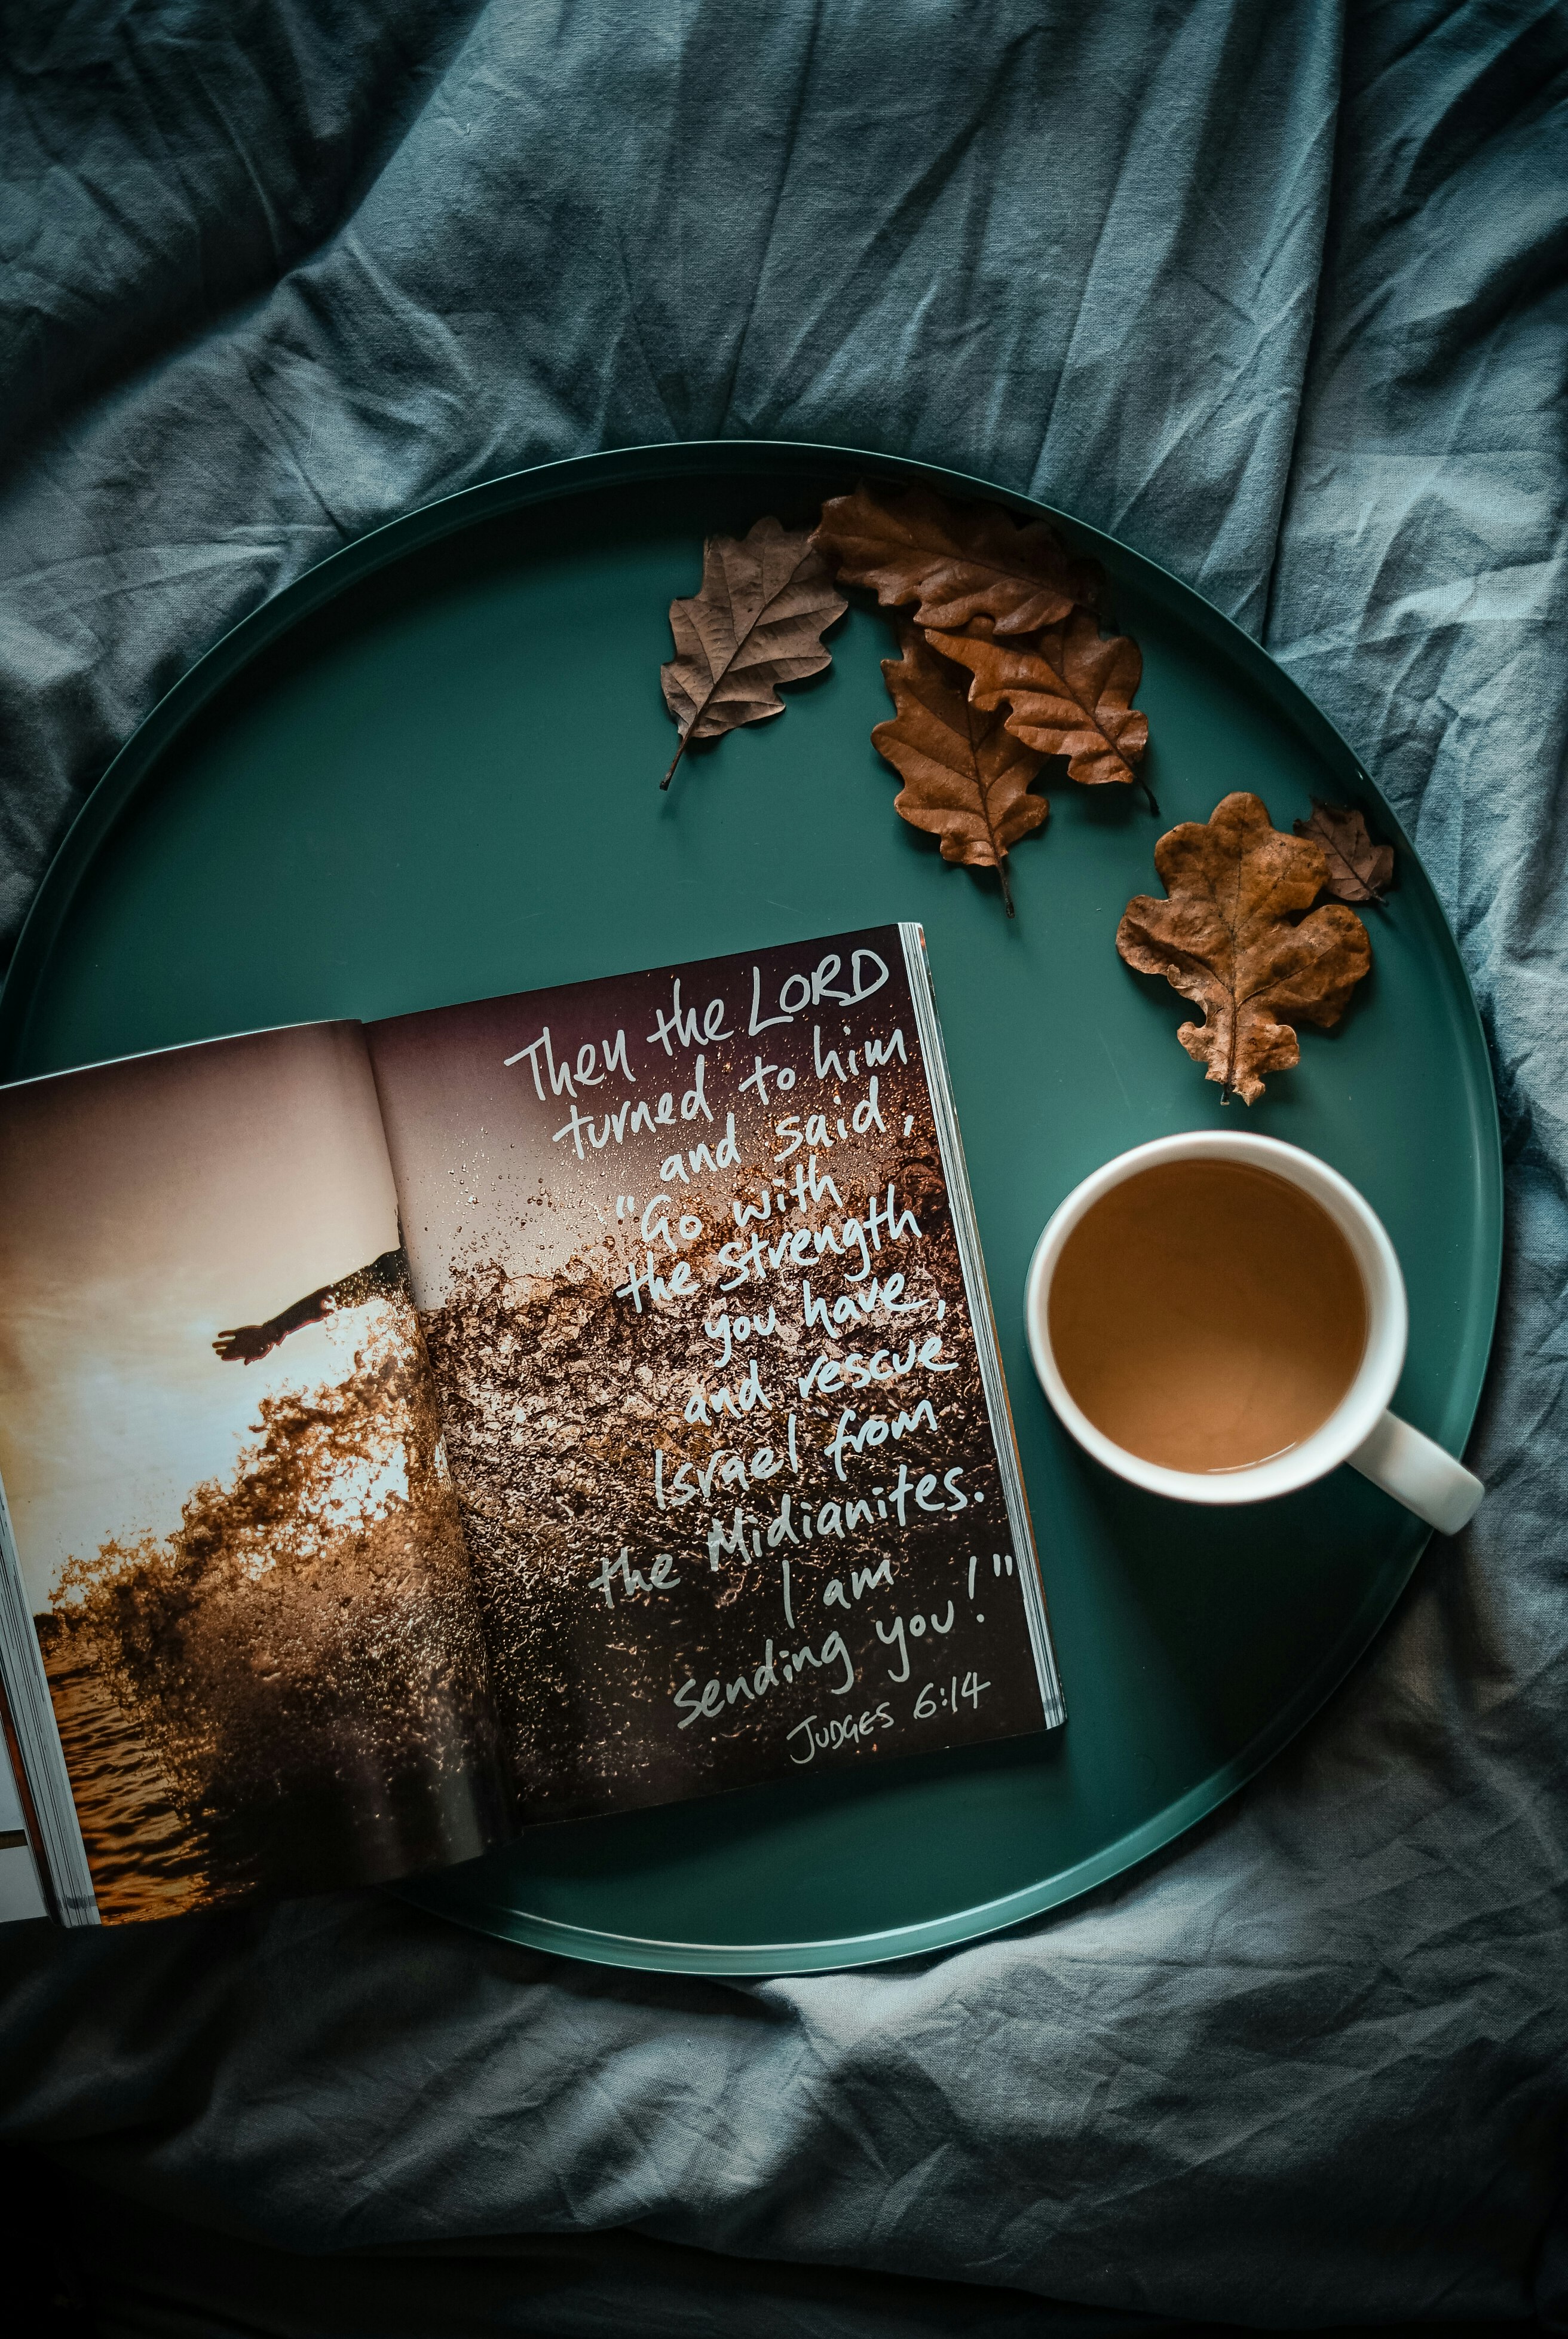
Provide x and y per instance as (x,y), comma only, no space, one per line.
(1245,933)
(1003,663)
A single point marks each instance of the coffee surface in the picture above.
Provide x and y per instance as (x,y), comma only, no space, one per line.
(1207,1314)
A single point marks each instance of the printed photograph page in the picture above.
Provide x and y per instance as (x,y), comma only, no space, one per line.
(685,1258)
(220,1452)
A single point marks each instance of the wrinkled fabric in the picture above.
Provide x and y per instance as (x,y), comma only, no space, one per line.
(1278,295)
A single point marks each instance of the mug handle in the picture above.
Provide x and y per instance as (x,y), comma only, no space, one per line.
(1420,1473)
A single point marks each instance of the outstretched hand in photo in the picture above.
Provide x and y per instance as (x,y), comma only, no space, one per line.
(247,1344)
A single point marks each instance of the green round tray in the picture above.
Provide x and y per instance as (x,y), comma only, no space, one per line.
(429,771)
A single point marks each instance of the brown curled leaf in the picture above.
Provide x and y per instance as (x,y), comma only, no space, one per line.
(1239,937)
(1359,870)
(956,561)
(766,598)
(1068,694)
(965,776)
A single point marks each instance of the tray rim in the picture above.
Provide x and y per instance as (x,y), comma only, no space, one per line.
(392,540)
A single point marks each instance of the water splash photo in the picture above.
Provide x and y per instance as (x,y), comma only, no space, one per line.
(290,1690)
(239,1538)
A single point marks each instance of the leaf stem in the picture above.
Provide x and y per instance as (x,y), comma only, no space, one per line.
(1006,888)
(680,751)
(1149,792)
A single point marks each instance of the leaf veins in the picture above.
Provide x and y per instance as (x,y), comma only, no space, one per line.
(965,776)
(765,600)
(1239,937)
(956,561)
(1068,694)
(1358,869)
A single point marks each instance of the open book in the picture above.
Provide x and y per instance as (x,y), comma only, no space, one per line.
(415,1431)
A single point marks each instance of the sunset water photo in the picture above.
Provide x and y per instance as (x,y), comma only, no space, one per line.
(222,1462)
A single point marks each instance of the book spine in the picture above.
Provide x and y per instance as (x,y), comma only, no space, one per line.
(971,1260)
(42,1779)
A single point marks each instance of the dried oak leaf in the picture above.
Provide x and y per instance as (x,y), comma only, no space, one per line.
(956,561)
(766,598)
(1239,935)
(1068,694)
(1358,869)
(965,776)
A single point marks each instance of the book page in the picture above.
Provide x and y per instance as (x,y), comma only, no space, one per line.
(736,1485)
(221,1457)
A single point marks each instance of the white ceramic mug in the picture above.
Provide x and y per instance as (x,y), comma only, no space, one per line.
(1360,1430)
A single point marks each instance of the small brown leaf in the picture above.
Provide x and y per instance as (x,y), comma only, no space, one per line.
(958,561)
(1068,694)
(965,776)
(1239,935)
(1359,870)
(765,601)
